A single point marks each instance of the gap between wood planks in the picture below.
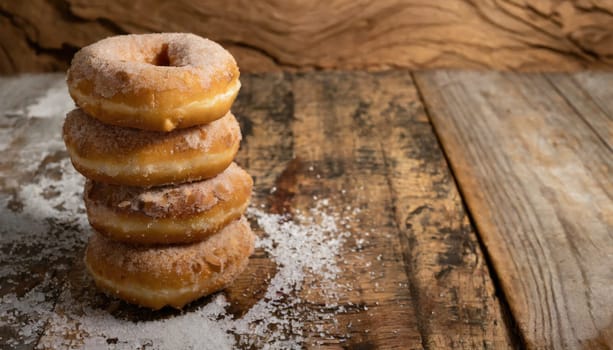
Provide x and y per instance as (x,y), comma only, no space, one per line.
(571,84)
(510,321)
(523,158)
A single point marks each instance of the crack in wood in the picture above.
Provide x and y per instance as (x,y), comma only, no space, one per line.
(422,320)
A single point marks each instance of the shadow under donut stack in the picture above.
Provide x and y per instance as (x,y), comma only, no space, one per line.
(155,138)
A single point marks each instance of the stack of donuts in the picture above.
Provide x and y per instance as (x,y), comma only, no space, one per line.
(155,138)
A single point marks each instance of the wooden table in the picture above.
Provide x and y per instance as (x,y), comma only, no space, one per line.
(446,210)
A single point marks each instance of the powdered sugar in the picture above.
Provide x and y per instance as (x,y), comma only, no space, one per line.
(42,230)
(30,312)
(303,247)
(55,102)
(306,246)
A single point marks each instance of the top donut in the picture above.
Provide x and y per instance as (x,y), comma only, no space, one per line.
(154,82)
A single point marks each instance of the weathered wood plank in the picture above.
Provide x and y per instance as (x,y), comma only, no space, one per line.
(341,160)
(370,130)
(359,148)
(537,180)
(592,97)
(343,34)
(39,233)
(336,159)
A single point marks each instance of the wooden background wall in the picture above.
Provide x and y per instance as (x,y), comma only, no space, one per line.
(267,35)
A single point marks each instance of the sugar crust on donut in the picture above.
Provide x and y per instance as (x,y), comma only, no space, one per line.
(172,214)
(158,81)
(132,157)
(156,276)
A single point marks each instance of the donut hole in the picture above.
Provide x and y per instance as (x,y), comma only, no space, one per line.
(161,58)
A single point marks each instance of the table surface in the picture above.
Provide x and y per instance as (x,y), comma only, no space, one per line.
(442,209)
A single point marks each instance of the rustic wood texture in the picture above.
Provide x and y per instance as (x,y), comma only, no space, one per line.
(537,174)
(29,266)
(592,97)
(412,274)
(550,35)
(369,134)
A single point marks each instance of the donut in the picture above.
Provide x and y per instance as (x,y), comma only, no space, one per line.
(132,157)
(171,214)
(154,81)
(156,276)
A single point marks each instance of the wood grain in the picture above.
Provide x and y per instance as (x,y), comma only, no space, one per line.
(537,180)
(550,35)
(591,96)
(35,251)
(372,131)
(412,272)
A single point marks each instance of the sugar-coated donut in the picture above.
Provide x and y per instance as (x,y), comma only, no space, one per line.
(156,276)
(171,214)
(154,81)
(132,157)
